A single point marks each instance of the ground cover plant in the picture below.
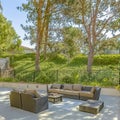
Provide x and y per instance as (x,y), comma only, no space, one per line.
(57,69)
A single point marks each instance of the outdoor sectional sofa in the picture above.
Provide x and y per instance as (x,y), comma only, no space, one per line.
(28,100)
(76,91)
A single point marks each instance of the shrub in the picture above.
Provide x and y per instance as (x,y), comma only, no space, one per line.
(78,60)
(118,87)
(67,79)
(98,60)
(57,58)
(8,79)
(106,60)
(105,77)
(45,77)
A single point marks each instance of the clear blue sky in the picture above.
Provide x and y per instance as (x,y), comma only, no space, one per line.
(16,17)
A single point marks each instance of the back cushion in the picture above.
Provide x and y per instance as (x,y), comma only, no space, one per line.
(86,88)
(56,86)
(93,89)
(68,87)
(77,87)
(33,93)
(15,90)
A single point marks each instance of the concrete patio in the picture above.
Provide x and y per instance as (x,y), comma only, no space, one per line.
(66,110)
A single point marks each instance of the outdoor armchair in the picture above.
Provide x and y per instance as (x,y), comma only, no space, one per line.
(34,104)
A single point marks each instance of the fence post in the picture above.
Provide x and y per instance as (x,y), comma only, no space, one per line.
(14,73)
(34,76)
(119,75)
(0,72)
(57,75)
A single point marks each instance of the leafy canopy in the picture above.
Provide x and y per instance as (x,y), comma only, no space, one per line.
(8,36)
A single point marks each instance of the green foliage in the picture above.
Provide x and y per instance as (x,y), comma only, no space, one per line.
(118,87)
(20,57)
(115,24)
(8,79)
(46,77)
(78,60)
(99,60)
(67,79)
(104,77)
(106,60)
(7,35)
(107,45)
(52,72)
(71,40)
(30,56)
(57,58)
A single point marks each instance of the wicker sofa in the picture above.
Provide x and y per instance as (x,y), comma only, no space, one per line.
(28,100)
(76,91)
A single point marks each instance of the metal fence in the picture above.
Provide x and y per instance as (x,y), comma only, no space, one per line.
(105,76)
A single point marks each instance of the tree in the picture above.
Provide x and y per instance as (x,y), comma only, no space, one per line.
(15,46)
(1,7)
(71,40)
(7,34)
(95,18)
(106,45)
(38,15)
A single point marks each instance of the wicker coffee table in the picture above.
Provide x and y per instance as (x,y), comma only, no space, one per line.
(55,98)
(91,106)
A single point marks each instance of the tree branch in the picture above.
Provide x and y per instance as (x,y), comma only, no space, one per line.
(104,25)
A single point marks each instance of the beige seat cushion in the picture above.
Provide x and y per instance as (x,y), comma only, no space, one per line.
(77,87)
(69,92)
(53,90)
(86,94)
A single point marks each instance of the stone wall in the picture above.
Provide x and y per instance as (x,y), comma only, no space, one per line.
(5,70)
(23,86)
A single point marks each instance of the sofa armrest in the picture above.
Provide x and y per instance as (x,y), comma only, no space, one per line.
(42,98)
(41,103)
(97,93)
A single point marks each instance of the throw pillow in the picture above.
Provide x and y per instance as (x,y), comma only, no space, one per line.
(92,89)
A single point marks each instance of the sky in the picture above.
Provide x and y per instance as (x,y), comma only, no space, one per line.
(16,17)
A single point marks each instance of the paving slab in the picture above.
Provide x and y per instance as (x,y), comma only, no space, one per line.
(66,110)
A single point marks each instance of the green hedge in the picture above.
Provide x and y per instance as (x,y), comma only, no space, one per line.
(61,59)
(19,57)
(106,60)
(57,58)
(78,60)
(98,60)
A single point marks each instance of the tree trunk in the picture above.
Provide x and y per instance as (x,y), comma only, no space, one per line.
(47,18)
(90,60)
(39,33)
(45,45)
(37,60)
